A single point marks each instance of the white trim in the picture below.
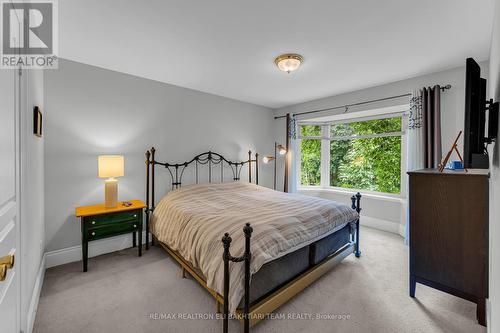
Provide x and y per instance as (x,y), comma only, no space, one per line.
(488,314)
(359,115)
(325,157)
(20,149)
(35,296)
(350,191)
(368,221)
(96,248)
(353,137)
(366,136)
(404,158)
(326,139)
(402,230)
(380,224)
(296,164)
(404,219)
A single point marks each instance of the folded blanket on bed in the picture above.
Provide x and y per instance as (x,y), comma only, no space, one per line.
(192,221)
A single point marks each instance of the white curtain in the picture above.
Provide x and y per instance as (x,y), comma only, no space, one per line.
(416,138)
(416,144)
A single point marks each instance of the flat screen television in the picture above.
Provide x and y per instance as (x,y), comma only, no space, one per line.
(477,108)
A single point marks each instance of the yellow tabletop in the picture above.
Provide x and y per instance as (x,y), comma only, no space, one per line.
(100,209)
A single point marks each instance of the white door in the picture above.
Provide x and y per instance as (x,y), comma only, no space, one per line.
(9,200)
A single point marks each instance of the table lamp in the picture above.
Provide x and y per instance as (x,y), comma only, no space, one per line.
(111,166)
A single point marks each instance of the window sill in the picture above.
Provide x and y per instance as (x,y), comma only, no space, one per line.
(349,192)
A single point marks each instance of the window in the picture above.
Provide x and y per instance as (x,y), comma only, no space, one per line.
(363,155)
(310,157)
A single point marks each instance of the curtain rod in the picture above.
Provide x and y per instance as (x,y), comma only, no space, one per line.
(346,106)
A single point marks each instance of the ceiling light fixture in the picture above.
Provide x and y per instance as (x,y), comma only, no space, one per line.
(289,62)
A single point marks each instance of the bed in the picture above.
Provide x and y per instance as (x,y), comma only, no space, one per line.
(288,240)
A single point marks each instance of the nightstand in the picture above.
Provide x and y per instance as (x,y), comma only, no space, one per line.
(98,222)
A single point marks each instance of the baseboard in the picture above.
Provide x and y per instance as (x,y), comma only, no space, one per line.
(488,315)
(35,296)
(383,225)
(402,230)
(372,222)
(96,248)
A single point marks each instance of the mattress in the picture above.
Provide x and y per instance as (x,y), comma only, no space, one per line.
(274,274)
(192,220)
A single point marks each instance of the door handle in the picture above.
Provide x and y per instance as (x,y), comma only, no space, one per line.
(3,272)
(8,261)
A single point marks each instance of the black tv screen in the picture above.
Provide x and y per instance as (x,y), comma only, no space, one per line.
(475,155)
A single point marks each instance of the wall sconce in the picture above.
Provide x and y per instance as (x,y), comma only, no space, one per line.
(281,149)
(278,149)
(268,159)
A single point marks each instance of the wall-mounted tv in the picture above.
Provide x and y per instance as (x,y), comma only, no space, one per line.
(477,110)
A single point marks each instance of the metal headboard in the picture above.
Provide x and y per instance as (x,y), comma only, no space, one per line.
(176,172)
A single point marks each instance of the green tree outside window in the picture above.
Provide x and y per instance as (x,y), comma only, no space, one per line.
(360,163)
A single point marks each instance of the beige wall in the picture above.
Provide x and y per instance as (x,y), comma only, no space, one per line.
(95,111)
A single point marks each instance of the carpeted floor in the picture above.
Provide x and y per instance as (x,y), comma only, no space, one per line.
(124,293)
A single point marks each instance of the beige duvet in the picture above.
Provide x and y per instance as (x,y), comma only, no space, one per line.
(192,221)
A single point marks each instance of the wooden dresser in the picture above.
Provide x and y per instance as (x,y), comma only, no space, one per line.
(449,233)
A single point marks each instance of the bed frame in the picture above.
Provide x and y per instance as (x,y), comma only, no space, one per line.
(251,313)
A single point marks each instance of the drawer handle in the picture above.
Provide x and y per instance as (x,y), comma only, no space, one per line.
(135,226)
(135,215)
(93,233)
(93,222)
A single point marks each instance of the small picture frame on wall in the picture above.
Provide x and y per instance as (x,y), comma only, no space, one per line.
(37,121)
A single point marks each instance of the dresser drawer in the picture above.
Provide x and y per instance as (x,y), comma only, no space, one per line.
(113,229)
(98,220)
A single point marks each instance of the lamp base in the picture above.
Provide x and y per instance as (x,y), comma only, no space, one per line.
(111,193)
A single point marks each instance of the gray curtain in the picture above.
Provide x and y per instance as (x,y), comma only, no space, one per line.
(424,135)
(431,114)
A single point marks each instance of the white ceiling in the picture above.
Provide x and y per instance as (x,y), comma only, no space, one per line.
(227,47)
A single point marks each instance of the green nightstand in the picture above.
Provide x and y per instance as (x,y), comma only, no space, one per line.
(99,222)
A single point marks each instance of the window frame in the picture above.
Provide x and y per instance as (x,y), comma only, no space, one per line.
(326,138)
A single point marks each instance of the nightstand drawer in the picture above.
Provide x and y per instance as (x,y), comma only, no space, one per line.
(97,220)
(113,229)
